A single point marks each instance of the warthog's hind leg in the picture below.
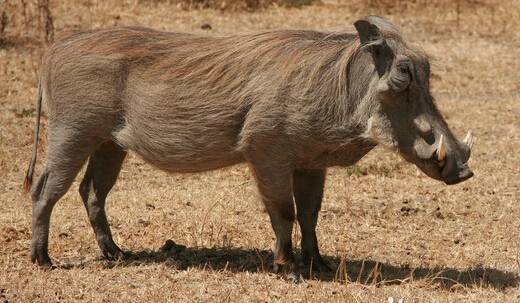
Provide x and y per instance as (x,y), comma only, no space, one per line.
(101,175)
(65,157)
(275,188)
(308,193)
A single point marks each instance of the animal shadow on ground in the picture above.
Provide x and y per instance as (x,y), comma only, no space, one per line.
(367,272)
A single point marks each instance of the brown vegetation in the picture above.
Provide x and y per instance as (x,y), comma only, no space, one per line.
(234,5)
(390,230)
(23,19)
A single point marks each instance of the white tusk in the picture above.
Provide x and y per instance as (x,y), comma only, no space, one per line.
(441,149)
(469,140)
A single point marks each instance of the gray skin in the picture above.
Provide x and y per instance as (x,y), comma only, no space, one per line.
(289,103)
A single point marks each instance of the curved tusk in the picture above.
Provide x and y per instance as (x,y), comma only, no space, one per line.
(441,149)
(469,140)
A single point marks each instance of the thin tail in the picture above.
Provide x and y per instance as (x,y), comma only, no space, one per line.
(27,184)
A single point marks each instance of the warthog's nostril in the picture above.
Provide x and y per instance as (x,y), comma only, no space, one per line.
(461,173)
(466,174)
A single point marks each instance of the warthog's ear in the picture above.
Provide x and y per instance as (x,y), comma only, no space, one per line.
(382,24)
(370,35)
(370,28)
(367,32)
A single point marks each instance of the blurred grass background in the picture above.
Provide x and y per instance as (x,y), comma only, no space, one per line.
(33,20)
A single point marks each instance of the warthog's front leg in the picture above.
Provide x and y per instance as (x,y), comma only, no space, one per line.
(275,186)
(308,193)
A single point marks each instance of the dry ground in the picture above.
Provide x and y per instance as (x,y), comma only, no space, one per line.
(392,230)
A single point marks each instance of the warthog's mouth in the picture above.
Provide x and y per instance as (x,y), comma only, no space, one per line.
(462,177)
(452,170)
(448,167)
(460,173)
(455,175)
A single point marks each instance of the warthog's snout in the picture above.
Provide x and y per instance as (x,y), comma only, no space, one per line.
(454,166)
(456,172)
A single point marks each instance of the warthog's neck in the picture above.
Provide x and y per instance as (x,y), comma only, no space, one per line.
(344,154)
(349,153)
(335,146)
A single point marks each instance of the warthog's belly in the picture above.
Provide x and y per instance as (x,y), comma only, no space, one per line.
(185,157)
(193,147)
(193,163)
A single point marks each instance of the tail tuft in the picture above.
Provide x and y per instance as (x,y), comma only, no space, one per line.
(27,183)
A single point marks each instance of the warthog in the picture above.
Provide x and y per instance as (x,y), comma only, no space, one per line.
(290,103)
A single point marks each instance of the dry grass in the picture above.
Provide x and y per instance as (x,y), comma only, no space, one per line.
(234,5)
(23,20)
(389,229)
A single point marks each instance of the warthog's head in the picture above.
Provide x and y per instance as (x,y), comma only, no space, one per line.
(398,106)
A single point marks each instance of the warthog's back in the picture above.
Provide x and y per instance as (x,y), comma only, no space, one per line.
(186,102)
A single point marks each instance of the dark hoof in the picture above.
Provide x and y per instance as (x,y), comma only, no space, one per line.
(117,256)
(42,259)
(114,253)
(318,265)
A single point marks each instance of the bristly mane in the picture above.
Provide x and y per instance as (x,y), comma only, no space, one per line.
(296,64)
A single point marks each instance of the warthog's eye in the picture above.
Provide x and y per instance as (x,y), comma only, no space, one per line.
(404,67)
(401,76)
